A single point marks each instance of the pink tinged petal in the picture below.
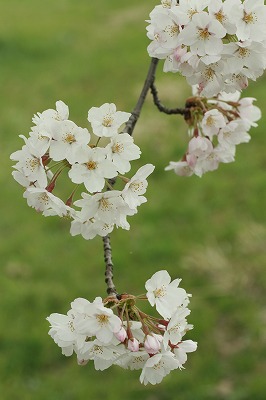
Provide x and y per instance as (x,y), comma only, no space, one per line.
(121,335)
(133,345)
(152,344)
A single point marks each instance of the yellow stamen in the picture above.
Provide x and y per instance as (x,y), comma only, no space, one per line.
(107,121)
(91,165)
(102,319)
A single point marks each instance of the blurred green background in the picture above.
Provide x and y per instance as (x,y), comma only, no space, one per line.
(211,232)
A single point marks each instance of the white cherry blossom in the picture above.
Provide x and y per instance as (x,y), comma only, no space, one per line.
(99,321)
(164,294)
(181,350)
(121,150)
(94,332)
(157,367)
(204,35)
(31,165)
(92,168)
(212,122)
(42,201)
(60,114)
(68,138)
(136,187)
(105,120)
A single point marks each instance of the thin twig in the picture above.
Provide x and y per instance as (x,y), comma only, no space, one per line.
(130,125)
(129,128)
(162,108)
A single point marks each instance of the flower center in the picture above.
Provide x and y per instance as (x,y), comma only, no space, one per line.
(220,16)
(159,365)
(160,292)
(136,186)
(211,157)
(117,148)
(69,138)
(249,18)
(97,349)
(204,33)
(44,198)
(107,121)
(104,204)
(243,52)
(166,3)
(33,163)
(171,30)
(191,12)
(102,319)
(209,73)
(91,165)
(210,121)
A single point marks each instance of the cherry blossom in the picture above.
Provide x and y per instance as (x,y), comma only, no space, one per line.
(164,294)
(193,36)
(136,187)
(219,125)
(56,144)
(121,150)
(105,120)
(97,332)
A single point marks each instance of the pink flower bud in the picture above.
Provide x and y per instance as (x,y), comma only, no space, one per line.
(133,344)
(121,335)
(152,343)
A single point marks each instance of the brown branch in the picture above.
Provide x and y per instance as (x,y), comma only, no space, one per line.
(130,125)
(162,108)
(129,128)
(111,290)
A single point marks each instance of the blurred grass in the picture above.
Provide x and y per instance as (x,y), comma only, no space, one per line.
(209,231)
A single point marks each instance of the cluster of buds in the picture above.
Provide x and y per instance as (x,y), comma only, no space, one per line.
(216,44)
(56,143)
(216,126)
(114,331)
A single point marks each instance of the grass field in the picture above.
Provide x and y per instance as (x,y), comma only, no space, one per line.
(211,232)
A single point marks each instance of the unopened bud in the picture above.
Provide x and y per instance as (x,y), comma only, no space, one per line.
(121,335)
(152,343)
(133,345)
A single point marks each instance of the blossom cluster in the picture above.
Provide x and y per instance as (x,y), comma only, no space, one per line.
(56,143)
(216,126)
(131,339)
(216,44)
